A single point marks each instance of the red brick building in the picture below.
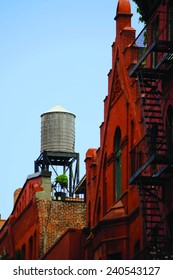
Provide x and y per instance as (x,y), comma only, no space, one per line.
(112,204)
(129,177)
(38,220)
(128,183)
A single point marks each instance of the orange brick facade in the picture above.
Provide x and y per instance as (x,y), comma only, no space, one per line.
(37,221)
(129,177)
(111,216)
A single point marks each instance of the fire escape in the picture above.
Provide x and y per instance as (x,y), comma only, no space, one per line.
(151,159)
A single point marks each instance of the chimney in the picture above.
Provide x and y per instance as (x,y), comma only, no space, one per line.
(16,194)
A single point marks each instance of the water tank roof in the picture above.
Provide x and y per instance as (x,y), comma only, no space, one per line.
(57,108)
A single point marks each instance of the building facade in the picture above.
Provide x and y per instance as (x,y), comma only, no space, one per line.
(128,178)
(38,220)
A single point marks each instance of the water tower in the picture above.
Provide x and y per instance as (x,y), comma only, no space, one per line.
(58,145)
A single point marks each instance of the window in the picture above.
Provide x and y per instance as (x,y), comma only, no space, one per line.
(31,248)
(137,248)
(118,163)
(23,251)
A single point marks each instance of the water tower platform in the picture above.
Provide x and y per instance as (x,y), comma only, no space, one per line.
(69,162)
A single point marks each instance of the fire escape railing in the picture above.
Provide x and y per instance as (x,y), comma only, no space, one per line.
(149,156)
(153,46)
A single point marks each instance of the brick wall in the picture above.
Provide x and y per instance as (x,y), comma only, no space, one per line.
(37,221)
(55,217)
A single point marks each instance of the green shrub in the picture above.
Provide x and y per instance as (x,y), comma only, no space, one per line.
(62,180)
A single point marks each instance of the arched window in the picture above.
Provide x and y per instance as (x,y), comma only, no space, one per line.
(118,163)
(23,251)
(170,128)
(31,248)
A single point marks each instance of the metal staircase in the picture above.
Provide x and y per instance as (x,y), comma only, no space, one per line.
(151,99)
(154,220)
(149,187)
(151,155)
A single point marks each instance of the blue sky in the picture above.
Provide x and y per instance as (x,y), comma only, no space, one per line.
(51,52)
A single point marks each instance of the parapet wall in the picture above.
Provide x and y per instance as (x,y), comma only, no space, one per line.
(55,217)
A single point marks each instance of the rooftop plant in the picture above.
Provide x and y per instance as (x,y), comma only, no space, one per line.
(62,180)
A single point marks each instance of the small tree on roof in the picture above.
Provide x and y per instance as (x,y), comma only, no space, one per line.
(62,180)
